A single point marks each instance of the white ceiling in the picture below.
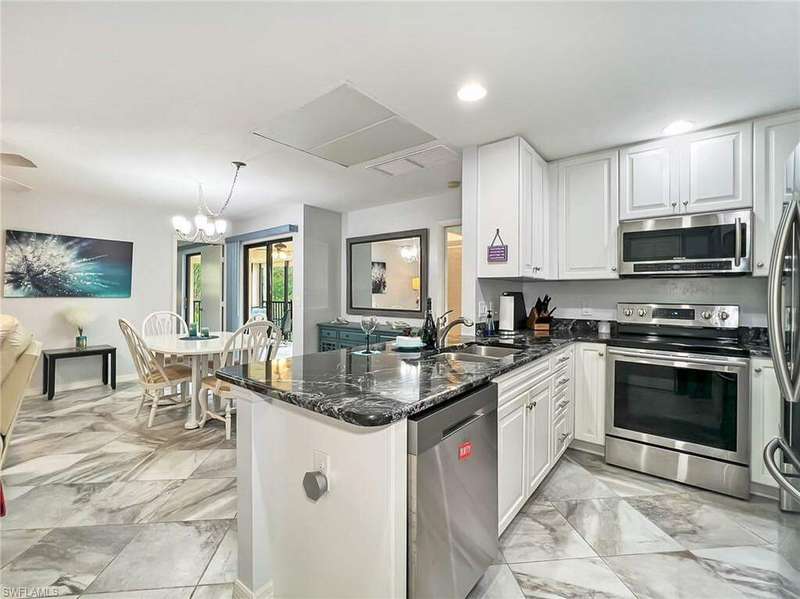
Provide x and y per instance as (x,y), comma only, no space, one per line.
(137,101)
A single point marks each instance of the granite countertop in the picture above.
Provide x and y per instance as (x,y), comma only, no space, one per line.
(389,386)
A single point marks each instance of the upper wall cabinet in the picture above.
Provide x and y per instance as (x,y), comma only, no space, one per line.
(776,159)
(512,200)
(699,172)
(648,180)
(716,172)
(587,215)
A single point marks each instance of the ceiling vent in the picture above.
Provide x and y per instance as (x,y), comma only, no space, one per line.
(346,127)
(421,157)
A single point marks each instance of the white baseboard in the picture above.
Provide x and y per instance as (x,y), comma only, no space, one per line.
(587,447)
(241,591)
(75,385)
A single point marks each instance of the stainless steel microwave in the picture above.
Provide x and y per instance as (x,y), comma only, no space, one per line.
(691,245)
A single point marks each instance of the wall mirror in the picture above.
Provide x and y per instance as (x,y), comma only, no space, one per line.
(387,274)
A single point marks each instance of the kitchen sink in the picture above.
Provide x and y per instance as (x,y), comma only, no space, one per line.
(463,356)
(490,351)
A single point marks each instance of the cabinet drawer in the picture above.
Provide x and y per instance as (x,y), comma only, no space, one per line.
(561,435)
(353,336)
(327,333)
(515,382)
(561,358)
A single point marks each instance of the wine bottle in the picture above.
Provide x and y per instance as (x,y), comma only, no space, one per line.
(428,333)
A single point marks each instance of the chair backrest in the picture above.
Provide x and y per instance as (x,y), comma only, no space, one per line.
(147,367)
(164,322)
(256,340)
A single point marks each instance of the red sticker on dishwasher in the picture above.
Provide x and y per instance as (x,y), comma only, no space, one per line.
(465,450)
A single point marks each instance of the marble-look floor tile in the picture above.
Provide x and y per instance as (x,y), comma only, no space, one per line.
(677,575)
(223,566)
(15,542)
(171,593)
(497,583)
(39,470)
(52,506)
(196,499)
(612,527)
(161,555)
(570,579)
(755,571)
(100,467)
(539,533)
(570,480)
(625,483)
(221,463)
(32,446)
(692,522)
(168,464)
(67,559)
(12,493)
(127,442)
(214,591)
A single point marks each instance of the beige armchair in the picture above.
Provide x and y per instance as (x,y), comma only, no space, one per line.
(19,354)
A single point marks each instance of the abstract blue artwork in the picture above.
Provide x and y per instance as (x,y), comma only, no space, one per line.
(45,265)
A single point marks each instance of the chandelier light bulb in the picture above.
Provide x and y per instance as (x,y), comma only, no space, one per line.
(209,228)
(221,226)
(177,222)
(200,220)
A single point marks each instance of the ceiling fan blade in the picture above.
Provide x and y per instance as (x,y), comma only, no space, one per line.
(15,160)
(8,184)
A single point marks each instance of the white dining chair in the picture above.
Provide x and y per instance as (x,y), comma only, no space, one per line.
(256,340)
(155,377)
(164,322)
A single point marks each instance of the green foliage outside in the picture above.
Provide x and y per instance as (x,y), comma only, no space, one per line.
(278,283)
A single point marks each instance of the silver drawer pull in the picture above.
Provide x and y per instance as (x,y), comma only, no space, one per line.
(563,359)
(563,380)
(564,436)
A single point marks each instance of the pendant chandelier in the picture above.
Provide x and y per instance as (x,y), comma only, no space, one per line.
(207,225)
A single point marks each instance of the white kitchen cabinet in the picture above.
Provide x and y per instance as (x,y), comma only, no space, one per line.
(765,416)
(716,170)
(648,180)
(590,392)
(588,199)
(775,161)
(512,200)
(511,464)
(538,437)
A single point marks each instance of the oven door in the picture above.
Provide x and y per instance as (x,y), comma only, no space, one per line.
(689,402)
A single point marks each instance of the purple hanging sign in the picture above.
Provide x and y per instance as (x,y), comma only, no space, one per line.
(497,252)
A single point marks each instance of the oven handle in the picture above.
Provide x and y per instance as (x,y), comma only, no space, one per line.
(769,461)
(679,356)
(737,256)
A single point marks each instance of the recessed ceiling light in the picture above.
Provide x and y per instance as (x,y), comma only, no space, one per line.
(678,127)
(471,92)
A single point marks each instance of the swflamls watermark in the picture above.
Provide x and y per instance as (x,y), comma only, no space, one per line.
(27,592)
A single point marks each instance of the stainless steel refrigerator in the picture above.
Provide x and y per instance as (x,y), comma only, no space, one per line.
(782,454)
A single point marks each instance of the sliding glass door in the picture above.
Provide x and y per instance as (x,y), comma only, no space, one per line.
(267,282)
(193,293)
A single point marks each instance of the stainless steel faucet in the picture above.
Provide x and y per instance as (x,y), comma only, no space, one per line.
(443,327)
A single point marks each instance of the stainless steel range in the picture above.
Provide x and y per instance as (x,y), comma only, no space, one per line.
(678,395)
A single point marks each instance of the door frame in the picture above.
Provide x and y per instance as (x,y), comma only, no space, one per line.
(265,243)
(186,279)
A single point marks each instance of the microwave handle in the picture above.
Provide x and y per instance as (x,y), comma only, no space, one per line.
(737,256)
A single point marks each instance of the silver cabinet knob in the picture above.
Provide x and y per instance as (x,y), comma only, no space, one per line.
(627,312)
(674,204)
(707,315)
(315,484)
(760,264)
(529,406)
(601,354)
(533,404)
(686,202)
(723,315)
(614,268)
(564,436)
(757,370)
(642,312)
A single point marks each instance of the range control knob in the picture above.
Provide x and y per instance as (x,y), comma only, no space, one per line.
(642,312)
(707,315)
(627,312)
(723,315)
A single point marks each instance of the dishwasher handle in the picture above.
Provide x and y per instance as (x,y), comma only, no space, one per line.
(429,428)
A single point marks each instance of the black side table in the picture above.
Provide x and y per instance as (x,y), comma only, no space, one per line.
(108,354)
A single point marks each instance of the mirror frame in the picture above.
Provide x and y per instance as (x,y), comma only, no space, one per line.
(423,273)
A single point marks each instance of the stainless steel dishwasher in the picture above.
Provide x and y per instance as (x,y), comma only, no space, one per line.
(452,495)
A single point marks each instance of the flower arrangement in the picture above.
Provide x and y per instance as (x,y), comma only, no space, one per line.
(80,318)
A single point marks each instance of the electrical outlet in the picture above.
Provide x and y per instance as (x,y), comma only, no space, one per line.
(481,308)
(586,310)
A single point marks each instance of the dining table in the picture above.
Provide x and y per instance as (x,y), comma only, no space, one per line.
(198,352)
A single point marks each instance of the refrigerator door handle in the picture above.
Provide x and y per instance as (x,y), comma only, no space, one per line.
(783,239)
(774,469)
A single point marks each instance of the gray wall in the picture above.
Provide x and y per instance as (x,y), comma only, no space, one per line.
(322,247)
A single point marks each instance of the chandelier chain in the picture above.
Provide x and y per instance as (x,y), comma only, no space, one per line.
(203,203)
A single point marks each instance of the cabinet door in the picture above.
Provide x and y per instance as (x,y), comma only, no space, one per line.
(776,160)
(511,480)
(538,435)
(648,180)
(498,205)
(716,172)
(526,210)
(590,393)
(765,414)
(541,245)
(587,213)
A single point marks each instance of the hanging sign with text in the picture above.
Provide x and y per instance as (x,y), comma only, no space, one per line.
(497,250)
